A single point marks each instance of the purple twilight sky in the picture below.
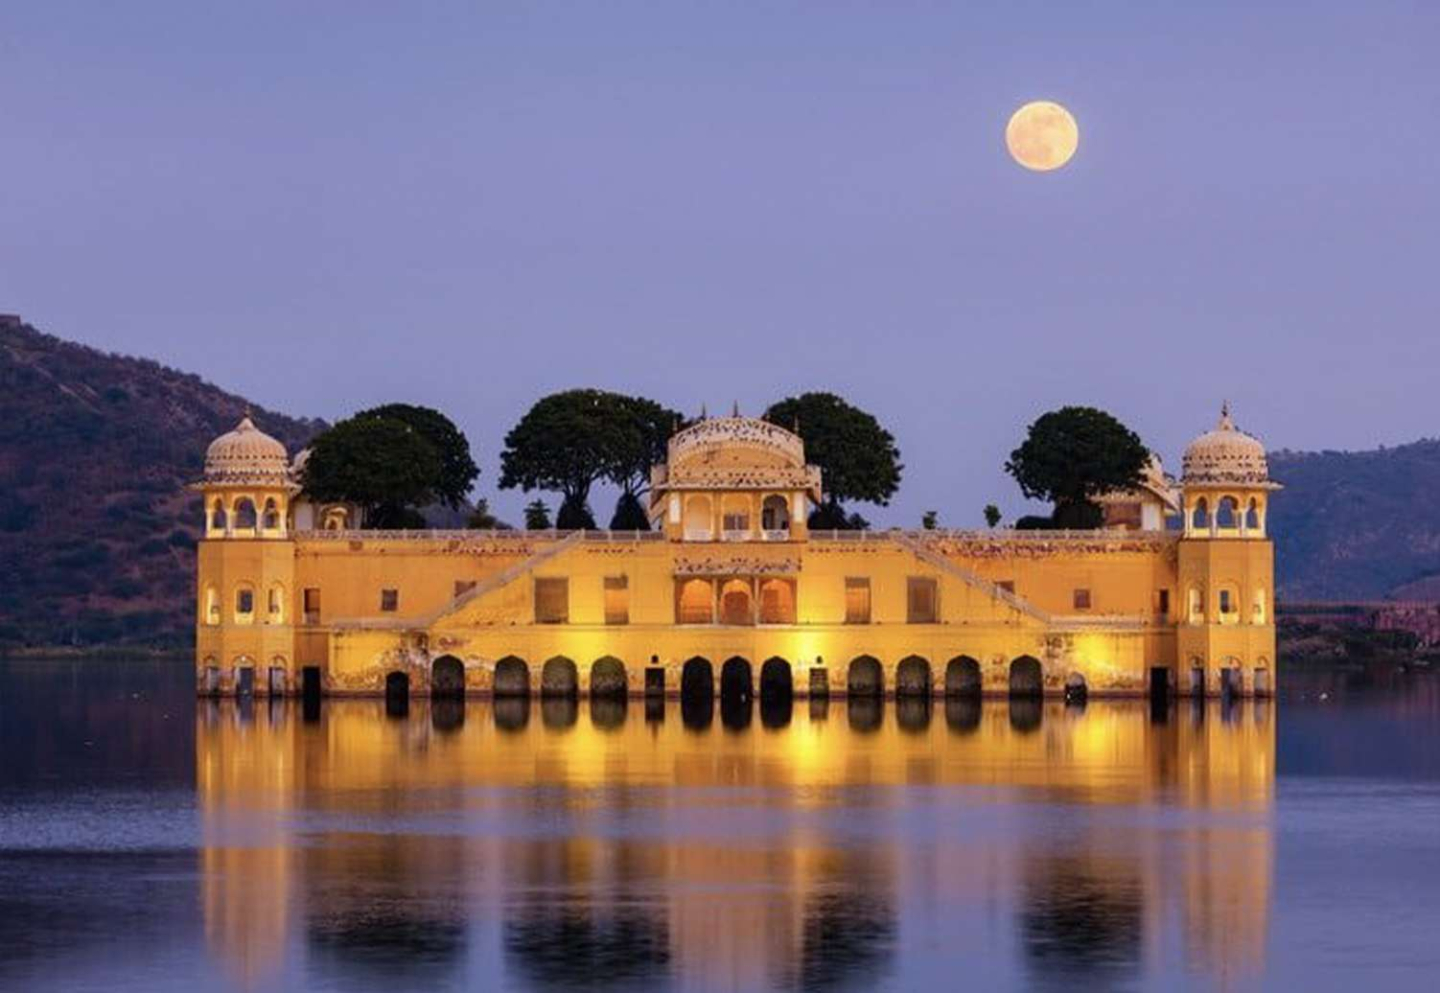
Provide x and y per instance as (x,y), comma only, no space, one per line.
(329,205)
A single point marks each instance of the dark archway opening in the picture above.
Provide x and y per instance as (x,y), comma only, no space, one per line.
(1027,678)
(697,694)
(777,693)
(962,677)
(397,694)
(608,679)
(559,678)
(912,677)
(736,680)
(512,678)
(1077,691)
(447,678)
(864,677)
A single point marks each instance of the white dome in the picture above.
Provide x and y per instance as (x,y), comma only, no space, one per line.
(247,455)
(1225,456)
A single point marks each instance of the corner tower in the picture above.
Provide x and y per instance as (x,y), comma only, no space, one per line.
(244,634)
(1226,637)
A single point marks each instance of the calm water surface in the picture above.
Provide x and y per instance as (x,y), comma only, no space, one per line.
(147,842)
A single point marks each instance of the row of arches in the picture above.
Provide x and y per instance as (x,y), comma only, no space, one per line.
(1227,515)
(242,516)
(732,515)
(864,677)
(245,606)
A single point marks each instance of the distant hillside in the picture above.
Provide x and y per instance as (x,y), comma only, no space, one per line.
(97,533)
(1358,525)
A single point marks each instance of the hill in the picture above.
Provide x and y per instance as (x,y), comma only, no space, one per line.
(97,533)
(1358,525)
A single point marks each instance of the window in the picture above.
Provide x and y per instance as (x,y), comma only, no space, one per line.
(311,605)
(244,605)
(777,601)
(1227,602)
(1227,515)
(275,605)
(463,586)
(212,606)
(617,599)
(245,514)
(694,602)
(737,521)
(217,517)
(271,519)
(1081,599)
(1008,585)
(389,600)
(775,513)
(1201,517)
(1195,608)
(857,600)
(552,601)
(1162,603)
(922,601)
(736,607)
(1252,517)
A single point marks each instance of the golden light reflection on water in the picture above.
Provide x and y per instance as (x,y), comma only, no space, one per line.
(734,850)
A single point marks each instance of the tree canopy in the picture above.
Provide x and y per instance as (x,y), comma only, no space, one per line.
(1074,454)
(571,440)
(457,469)
(857,457)
(384,465)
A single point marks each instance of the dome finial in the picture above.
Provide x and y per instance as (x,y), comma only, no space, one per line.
(704,415)
(1226,424)
(734,408)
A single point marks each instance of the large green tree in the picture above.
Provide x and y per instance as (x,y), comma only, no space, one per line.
(857,457)
(457,469)
(567,442)
(1072,455)
(384,465)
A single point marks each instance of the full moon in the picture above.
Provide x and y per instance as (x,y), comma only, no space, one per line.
(1042,136)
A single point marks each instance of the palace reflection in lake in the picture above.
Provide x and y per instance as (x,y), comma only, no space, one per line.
(567,845)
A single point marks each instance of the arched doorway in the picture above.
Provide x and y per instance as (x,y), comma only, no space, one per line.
(559,678)
(697,679)
(512,677)
(397,694)
(607,678)
(912,677)
(776,680)
(777,693)
(962,677)
(447,677)
(1027,678)
(864,677)
(736,680)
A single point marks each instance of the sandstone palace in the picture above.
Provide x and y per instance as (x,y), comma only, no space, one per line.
(731,591)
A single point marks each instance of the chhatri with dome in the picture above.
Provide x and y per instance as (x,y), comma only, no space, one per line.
(731,594)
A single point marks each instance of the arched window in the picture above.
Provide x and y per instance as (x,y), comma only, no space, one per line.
(270,521)
(735,606)
(1258,612)
(695,602)
(699,518)
(218,518)
(777,601)
(244,514)
(775,515)
(735,519)
(244,604)
(275,605)
(1252,516)
(1227,514)
(1200,518)
(1227,604)
(212,605)
(336,519)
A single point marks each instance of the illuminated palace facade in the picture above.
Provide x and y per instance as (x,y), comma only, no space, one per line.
(730,591)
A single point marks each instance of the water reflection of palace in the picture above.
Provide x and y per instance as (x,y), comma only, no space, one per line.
(580,847)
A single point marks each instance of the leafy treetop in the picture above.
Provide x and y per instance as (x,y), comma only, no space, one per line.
(1074,454)
(857,457)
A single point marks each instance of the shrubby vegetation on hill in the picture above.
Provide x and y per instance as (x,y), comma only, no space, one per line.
(97,532)
(1357,525)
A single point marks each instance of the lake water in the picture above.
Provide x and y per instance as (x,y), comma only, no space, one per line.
(148,842)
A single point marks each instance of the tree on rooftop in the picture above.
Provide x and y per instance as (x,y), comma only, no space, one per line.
(384,465)
(457,468)
(857,457)
(1072,455)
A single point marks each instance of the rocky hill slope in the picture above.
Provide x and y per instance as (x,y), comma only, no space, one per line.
(97,532)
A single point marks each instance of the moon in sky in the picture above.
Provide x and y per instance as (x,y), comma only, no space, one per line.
(1042,136)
